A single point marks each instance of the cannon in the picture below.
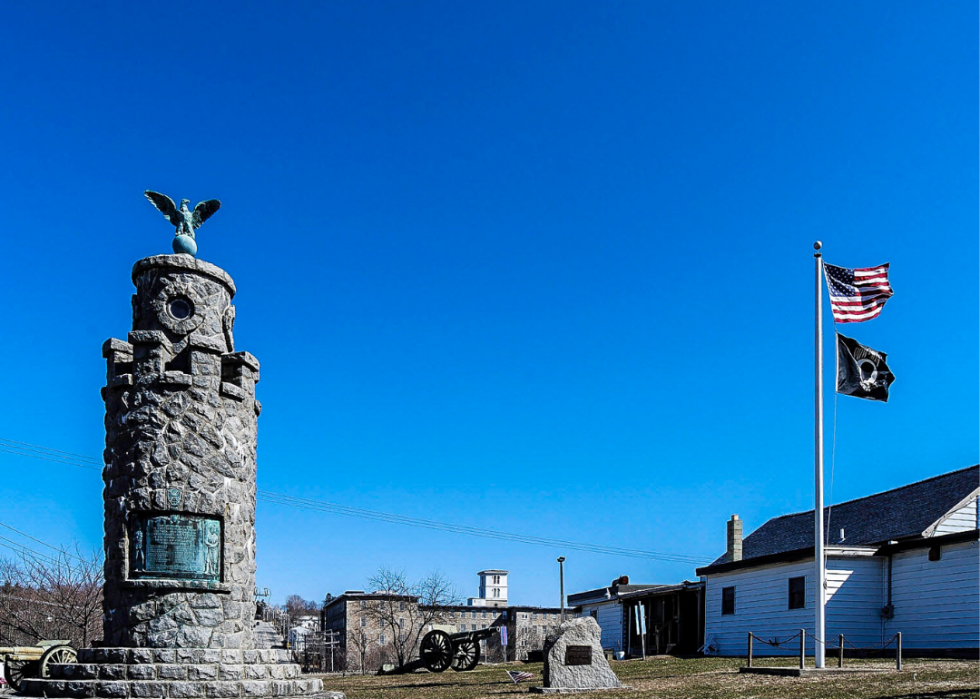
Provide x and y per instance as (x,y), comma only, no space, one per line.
(441,650)
(25,662)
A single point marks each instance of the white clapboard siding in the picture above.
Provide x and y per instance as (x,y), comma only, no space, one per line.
(609,615)
(963,519)
(937,603)
(854,592)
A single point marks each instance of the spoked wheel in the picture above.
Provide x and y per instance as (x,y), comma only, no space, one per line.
(467,656)
(56,655)
(436,651)
(16,671)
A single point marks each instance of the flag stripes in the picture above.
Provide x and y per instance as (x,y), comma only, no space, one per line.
(858,294)
(518,676)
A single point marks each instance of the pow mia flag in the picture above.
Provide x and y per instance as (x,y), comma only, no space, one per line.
(861,371)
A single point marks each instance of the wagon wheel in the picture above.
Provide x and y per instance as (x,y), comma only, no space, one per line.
(467,656)
(57,655)
(436,651)
(16,671)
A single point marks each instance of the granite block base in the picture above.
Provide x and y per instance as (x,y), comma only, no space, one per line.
(181,673)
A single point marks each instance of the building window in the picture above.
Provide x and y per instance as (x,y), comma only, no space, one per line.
(728,600)
(534,615)
(594,614)
(381,639)
(401,606)
(363,621)
(797,593)
(401,623)
(496,579)
(496,592)
(363,604)
(472,627)
(473,614)
(483,614)
(935,553)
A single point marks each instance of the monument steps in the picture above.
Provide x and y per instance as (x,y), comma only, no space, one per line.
(173,689)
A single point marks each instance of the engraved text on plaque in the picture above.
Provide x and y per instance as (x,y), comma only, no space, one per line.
(578,655)
(178,546)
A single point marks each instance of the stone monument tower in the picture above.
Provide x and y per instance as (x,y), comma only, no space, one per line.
(180,465)
(179,503)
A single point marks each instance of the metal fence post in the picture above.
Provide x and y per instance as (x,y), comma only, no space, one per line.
(750,649)
(840,651)
(802,648)
(898,652)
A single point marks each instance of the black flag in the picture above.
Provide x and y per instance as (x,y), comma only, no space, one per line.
(861,371)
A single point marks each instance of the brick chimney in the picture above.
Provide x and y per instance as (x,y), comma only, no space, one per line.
(734,540)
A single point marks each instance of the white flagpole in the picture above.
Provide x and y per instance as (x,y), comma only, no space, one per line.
(819,592)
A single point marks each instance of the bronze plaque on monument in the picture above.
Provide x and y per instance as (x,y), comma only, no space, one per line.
(578,655)
(176,546)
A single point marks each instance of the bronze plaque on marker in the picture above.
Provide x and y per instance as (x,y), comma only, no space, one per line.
(177,546)
(578,655)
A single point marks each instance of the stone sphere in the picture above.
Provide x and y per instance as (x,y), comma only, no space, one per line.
(185,245)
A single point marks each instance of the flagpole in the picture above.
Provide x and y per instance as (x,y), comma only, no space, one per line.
(819,591)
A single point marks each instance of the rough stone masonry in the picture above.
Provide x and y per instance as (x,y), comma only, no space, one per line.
(574,661)
(179,503)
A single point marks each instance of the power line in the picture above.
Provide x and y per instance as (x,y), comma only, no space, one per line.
(43,543)
(71,459)
(25,551)
(48,450)
(332,508)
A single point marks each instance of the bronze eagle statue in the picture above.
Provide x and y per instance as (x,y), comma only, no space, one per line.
(185,220)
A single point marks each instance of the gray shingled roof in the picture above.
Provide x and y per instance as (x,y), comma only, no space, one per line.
(876,519)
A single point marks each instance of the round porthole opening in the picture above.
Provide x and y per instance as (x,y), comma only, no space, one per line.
(181,308)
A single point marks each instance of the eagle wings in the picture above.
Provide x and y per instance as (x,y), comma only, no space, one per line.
(183,218)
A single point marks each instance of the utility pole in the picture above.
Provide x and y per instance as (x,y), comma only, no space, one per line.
(561,585)
(331,643)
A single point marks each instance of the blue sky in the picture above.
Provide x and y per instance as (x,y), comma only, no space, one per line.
(541,267)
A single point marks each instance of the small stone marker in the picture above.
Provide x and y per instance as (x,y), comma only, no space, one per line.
(574,661)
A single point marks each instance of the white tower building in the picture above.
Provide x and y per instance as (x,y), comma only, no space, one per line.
(493,589)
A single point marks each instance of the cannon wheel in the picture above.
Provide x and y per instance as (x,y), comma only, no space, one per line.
(16,671)
(58,655)
(467,656)
(436,651)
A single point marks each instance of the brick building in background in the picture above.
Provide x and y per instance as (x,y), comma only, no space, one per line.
(366,644)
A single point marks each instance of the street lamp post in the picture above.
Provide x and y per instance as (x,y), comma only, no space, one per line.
(561,584)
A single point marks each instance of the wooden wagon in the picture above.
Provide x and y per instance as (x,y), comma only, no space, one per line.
(25,662)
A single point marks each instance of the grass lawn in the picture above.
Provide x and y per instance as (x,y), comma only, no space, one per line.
(677,678)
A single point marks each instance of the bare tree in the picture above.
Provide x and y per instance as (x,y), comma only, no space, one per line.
(359,642)
(297,606)
(406,609)
(56,597)
(528,639)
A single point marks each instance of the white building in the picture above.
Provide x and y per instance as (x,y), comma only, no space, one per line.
(493,589)
(902,560)
(603,604)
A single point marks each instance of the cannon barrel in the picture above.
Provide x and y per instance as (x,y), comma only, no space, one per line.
(479,635)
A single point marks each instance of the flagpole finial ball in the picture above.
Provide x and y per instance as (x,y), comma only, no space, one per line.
(817,245)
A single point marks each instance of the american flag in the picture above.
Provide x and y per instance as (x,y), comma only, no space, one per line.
(519,676)
(857,294)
